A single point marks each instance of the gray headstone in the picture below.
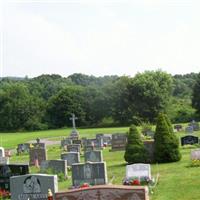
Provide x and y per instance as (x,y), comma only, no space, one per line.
(71,157)
(138,170)
(91,173)
(194,125)
(119,141)
(93,156)
(33,186)
(39,145)
(65,142)
(58,166)
(23,148)
(189,129)
(74,148)
(4,160)
(77,142)
(39,154)
(89,148)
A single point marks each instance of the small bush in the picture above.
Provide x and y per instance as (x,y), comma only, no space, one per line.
(135,150)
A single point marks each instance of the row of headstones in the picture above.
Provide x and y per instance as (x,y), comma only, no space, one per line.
(35,186)
(192,126)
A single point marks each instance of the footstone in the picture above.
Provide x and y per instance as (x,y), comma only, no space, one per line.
(106,192)
(33,186)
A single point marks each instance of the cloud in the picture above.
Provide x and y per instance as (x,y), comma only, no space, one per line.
(99,40)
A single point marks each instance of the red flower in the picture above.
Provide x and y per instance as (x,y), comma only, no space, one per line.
(85,185)
(136,182)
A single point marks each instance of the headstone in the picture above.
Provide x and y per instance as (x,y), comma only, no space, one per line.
(77,142)
(150,148)
(89,148)
(65,142)
(4,160)
(189,139)
(138,170)
(178,127)
(37,154)
(189,129)
(105,192)
(2,152)
(38,145)
(74,134)
(150,134)
(91,173)
(119,141)
(23,148)
(93,156)
(74,148)
(7,171)
(194,125)
(96,142)
(71,158)
(195,154)
(58,166)
(33,186)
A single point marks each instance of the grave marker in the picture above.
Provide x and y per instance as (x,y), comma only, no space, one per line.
(93,156)
(33,186)
(91,173)
(71,158)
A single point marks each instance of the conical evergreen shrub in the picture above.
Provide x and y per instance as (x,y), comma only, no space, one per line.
(135,150)
(166,142)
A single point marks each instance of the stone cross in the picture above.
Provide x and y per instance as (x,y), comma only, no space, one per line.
(73,118)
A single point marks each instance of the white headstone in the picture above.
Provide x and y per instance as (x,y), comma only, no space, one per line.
(2,152)
(195,154)
(138,170)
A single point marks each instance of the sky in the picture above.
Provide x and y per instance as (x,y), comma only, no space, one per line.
(99,37)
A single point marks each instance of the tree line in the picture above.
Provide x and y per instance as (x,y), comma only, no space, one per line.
(47,101)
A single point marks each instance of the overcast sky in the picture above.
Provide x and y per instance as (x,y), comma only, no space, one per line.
(103,37)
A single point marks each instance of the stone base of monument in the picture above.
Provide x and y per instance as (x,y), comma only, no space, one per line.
(106,192)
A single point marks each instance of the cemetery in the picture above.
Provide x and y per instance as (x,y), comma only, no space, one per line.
(88,169)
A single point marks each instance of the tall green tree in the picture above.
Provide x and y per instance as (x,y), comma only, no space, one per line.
(196,96)
(19,110)
(61,106)
(149,94)
(135,151)
(166,142)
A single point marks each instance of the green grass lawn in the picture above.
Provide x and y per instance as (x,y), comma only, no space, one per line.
(177,181)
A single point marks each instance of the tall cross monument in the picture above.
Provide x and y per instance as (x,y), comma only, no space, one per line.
(73,118)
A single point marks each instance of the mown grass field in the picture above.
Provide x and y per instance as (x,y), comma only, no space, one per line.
(178,181)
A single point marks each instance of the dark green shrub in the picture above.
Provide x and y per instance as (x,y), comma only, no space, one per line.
(135,151)
(166,142)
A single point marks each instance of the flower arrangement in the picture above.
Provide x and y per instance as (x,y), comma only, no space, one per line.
(136,181)
(195,163)
(4,194)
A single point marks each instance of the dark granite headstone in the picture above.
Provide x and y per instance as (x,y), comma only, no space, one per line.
(7,171)
(178,127)
(189,139)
